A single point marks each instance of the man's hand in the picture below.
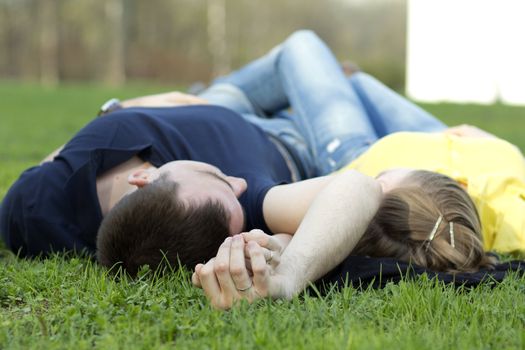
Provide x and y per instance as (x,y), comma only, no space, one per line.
(226,279)
(168,99)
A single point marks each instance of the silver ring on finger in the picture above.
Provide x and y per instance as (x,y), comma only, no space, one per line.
(245,289)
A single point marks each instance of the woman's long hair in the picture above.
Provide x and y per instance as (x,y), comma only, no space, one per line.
(407,215)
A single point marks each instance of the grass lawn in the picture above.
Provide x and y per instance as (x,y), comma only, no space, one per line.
(66,302)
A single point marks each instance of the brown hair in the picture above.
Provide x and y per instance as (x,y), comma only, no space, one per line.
(151,226)
(407,215)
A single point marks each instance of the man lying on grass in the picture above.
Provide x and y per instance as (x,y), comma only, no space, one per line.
(177,176)
(158,178)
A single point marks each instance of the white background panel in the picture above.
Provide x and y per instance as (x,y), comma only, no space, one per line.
(466,51)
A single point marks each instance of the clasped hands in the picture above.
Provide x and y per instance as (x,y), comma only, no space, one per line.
(244,269)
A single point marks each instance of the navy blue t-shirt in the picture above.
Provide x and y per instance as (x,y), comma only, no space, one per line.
(54,206)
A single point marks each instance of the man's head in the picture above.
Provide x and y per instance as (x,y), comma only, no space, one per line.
(413,203)
(183,210)
(199,182)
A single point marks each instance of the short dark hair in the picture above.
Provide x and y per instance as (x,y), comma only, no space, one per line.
(152,226)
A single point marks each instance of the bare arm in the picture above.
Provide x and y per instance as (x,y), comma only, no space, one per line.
(168,99)
(331,228)
(285,206)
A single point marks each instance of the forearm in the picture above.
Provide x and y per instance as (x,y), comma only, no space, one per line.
(168,99)
(333,225)
(285,206)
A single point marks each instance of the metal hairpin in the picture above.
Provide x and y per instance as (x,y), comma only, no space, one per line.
(433,232)
(451,231)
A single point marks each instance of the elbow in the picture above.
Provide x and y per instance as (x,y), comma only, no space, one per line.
(368,184)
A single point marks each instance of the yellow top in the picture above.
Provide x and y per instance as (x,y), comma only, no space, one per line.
(492,169)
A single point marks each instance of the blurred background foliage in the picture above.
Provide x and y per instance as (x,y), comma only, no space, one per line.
(181,41)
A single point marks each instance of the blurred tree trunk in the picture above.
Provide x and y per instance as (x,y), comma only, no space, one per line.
(48,16)
(4,48)
(21,40)
(115,43)
(217,40)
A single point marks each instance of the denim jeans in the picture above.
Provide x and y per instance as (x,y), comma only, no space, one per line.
(333,119)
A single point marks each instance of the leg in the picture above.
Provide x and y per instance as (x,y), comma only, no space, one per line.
(303,72)
(229,96)
(388,111)
(328,111)
(260,83)
(283,129)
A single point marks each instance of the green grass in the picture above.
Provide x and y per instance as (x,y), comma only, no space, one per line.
(504,121)
(72,303)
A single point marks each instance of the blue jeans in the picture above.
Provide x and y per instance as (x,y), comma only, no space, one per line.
(334,119)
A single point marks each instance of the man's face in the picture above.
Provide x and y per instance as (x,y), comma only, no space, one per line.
(199,182)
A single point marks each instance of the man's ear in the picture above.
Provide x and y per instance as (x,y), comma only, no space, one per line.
(141,178)
(238,184)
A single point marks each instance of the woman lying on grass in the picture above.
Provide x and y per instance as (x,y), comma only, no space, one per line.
(405,226)
(424,217)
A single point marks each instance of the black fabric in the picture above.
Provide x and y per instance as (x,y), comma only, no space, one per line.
(54,206)
(362,271)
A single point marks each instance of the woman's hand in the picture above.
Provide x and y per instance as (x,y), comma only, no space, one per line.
(272,245)
(168,99)
(226,278)
(466,130)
